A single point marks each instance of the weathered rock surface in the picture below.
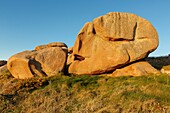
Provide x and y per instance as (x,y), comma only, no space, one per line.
(53,44)
(136,69)
(42,62)
(18,65)
(52,60)
(70,59)
(112,41)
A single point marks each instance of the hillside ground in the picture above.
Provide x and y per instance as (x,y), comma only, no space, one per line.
(85,94)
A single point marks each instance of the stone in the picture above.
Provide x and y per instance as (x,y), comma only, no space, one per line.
(57,44)
(70,50)
(18,65)
(52,60)
(70,59)
(40,47)
(136,69)
(43,62)
(112,41)
(53,44)
(166,69)
(3,62)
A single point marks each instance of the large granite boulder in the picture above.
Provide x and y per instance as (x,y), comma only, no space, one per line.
(112,41)
(48,61)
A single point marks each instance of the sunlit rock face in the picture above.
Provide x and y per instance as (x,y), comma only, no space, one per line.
(112,41)
(45,60)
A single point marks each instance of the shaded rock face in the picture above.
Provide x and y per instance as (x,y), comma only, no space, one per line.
(41,62)
(3,62)
(110,42)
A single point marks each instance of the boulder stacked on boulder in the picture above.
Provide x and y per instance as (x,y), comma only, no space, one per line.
(46,60)
(115,43)
(111,42)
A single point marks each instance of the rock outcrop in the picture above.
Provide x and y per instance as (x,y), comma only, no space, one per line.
(110,42)
(45,60)
(115,43)
(136,69)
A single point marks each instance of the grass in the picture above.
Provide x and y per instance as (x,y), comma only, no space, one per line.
(85,94)
(166,67)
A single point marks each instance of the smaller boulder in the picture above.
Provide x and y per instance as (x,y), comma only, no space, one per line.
(19,66)
(46,60)
(57,44)
(136,69)
(52,60)
(40,47)
(53,44)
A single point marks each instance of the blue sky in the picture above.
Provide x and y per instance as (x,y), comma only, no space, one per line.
(25,24)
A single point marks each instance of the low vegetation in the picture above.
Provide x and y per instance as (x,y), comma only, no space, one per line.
(85,94)
(159,62)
